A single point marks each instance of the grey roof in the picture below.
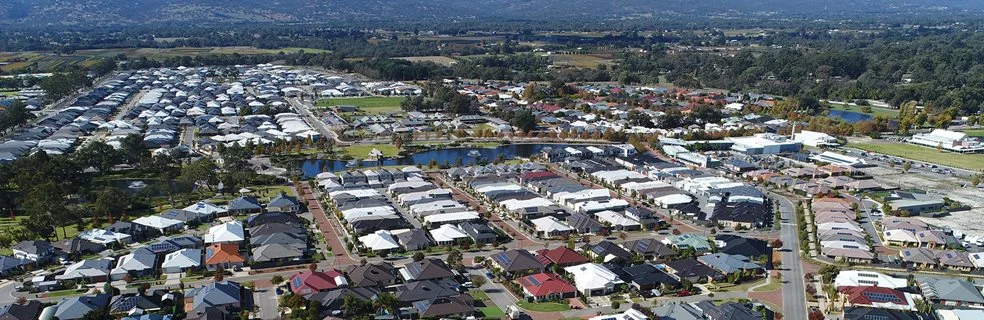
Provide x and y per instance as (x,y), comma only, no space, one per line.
(677,311)
(516,260)
(283,200)
(332,299)
(429,268)
(425,290)
(76,245)
(460,304)
(32,246)
(215,294)
(650,247)
(244,203)
(862,313)
(7,263)
(372,274)
(27,311)
(580,221)
(727,311)
(950,290)
(413,238)
(78,307)
(728,263)
(276,251)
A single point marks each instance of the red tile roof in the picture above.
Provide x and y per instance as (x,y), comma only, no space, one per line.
(561,255)
(308,282)
(545,284)
(864,295)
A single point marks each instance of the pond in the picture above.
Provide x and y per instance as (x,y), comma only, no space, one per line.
(468,156)
(849,116)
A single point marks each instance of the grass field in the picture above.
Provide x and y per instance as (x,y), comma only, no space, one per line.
(441,60)
(478,294)
(875,111)
(543,306)
(975,132)
(965,161)
(373,105)
(590,61)
(362,151)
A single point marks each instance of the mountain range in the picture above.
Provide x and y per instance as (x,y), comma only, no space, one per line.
(40,13)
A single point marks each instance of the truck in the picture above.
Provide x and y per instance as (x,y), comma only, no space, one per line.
(513,312)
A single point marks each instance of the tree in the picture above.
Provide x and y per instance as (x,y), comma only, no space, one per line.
(776,243)
(386,301)
(524,120)
(477,280)
(906,166)
(277,280)
(202,173)
(454,259)
(418,256)
(98,314)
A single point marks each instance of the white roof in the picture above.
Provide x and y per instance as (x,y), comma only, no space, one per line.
(600,205)
(102,236)
(855,278)
(232,231)
(673,199)
(839,244)
(135,261)
(591,276)
(379,240)
(436,206)
(86,269)
(549,224)
(960,314)
(353,214)
(360,193)
(205,208)
(838,226)
(616,219)
(498,187)
(157,222)
(183,258)
(447,233)
(900,235)
(644,185)
(451,217)
(513,204)
(407,184)
(583,194)
(413,196)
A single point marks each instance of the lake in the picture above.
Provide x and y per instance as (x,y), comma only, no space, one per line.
(849,116)
(313,167)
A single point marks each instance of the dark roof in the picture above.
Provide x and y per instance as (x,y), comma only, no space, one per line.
(749,247)
(480,232)
(276,227)
(269,217)
(79,245)
(283,200)
(378,223)
(516,260)
(580,221)
(426,290)
(430,268)
(413,238)
(244,203)
(645,275)
(748,212)
(32,246)
(605,248)
(332,300)
(372,274)
(459,304)
(125,303)
(690,267)
(561,256)
(650,247)
(28,311)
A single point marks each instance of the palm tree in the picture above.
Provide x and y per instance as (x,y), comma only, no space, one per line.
(386,301)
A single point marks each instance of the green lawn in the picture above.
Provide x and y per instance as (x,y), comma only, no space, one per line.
(975,132)
(478,294)
(543,306)
(374,105)
(362,151)
(875,111)
(772,286)
(491,312)
(63,293)
(966,161)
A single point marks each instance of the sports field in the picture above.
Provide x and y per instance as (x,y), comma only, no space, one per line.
(965,161)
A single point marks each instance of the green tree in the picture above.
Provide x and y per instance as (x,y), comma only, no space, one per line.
(524,120)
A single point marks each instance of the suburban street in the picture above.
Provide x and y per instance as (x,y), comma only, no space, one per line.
(793,290)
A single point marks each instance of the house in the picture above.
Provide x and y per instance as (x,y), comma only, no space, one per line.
(919,257)
(480,233)
(877,297)
(689,241)
(727,311)
(27,311)
(650,249)
(448,234)
(427,269)
(92,271)
(561,256)
(332,301)
(78,247)
(677,311)
(10,265)
(244,205)
(308,282)
(33,250)
(426,290)
(137,264)
(460,306)
(223,255)
(379,241)
(607,251)
(107,237)
(864,313)
(284,203)
(618,221)
(223,297)
(545,287)
(960,314)
(160,224)
(745,215)
(646,277)
(373,275)
(737,245)
(854,278)
(206,211)
(951,292)
(583,224)
(182,260)
(77,307)
(131,303)
(229,232)
(550,228)
(692,270)
(630,314)
(276,253)
(370,224)
(516,261)
(730,264)
(592,279)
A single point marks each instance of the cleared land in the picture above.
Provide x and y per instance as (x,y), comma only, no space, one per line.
(965,161)
(374,105)
(875,111)
(446,61)
(582,60)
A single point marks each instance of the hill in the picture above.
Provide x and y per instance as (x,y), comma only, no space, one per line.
(40,13)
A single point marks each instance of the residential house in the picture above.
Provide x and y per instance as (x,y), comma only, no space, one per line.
(160,224)
(223,255)
(689,241)
(516,261)
(224,298)
(77,307)
(91,271)
(107,237)
(244,205)
(308,282)
(650,249)
(460,306)
(78,247)
(749,247)
(276,253)
(426,290)
(27,311)
(284,203)
(135,303)
(692,270)
(951,292)
(592,279)
(645,277)
(373,275)
(727,311)
(550,228)
(876,297)
(730,264)
(137,264)
(412,239)
(332,301)
(583,224)
(560,256)
(33,250)
(427,269)
(865,313)
(546,287)
(229,232)
(182,261)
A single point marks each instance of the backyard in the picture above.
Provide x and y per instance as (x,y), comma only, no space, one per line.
(371,105)
(965,161)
